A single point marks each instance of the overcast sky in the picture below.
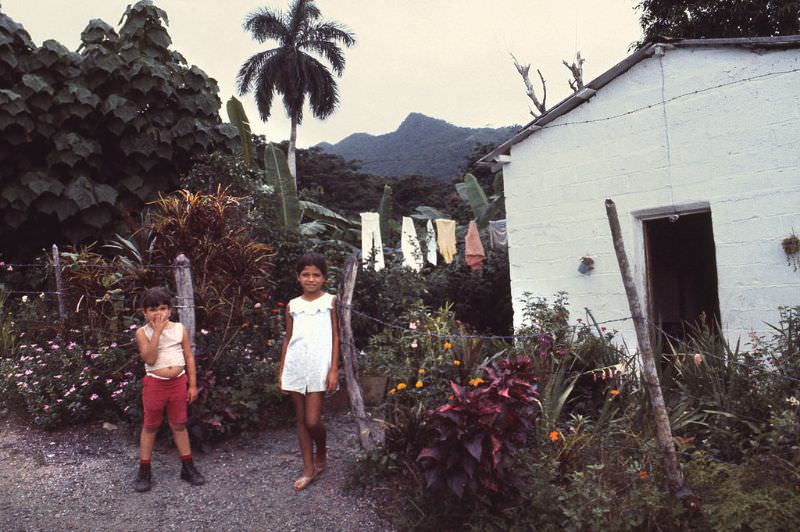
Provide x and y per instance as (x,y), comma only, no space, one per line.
(445,58)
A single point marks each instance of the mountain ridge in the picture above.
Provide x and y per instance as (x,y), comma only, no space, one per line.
(421,145)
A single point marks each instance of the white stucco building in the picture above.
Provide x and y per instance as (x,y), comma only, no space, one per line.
(708,130)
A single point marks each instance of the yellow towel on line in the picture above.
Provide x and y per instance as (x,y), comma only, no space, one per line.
(446,238)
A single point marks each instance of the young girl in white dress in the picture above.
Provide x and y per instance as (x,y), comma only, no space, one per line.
(310,361)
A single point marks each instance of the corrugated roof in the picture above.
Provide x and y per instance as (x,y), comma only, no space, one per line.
(568,104)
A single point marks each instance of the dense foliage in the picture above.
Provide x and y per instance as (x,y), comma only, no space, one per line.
(692,19)
(87,136)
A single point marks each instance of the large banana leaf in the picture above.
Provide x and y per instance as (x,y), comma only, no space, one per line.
(324,214)
(277,173)
(471,192)
(239,119)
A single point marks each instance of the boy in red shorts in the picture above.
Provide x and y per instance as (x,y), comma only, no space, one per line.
(167,354)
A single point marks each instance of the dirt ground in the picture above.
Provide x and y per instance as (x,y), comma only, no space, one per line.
(81,479)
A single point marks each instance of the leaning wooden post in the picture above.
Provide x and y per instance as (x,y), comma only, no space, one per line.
(62,313)
(649,373)
(348,352)
(185,297)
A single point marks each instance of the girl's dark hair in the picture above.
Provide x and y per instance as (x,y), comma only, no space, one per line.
(154,297)
(312,259)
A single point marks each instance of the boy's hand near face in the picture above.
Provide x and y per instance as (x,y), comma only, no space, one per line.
(158,323)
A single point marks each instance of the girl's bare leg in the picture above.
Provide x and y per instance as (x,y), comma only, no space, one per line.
(303,436)
(313,419)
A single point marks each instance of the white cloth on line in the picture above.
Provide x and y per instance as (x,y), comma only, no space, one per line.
(409,245)
(498,234)
(371,244)
(430,244)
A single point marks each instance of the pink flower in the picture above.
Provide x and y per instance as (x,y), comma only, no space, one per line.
(133,326)
(94,397)
(46,407)
(113,344)
(257,305)
(203,332)
(94,355)
(413,325)
(28,372)
(109,381)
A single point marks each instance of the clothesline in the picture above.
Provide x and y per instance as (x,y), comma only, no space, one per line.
(441,241)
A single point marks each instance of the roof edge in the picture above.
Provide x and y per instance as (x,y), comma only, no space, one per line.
(570,102)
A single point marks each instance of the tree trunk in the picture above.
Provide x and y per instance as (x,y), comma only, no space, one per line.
(348,353)
(291,157)
(649,373)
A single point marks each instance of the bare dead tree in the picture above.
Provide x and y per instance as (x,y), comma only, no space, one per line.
(576,83)
(523,70)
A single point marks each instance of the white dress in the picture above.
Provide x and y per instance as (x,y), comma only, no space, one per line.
(308,356)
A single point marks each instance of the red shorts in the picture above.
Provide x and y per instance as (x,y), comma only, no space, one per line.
(157,394)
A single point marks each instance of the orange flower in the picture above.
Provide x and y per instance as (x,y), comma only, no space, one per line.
(643,474)
(401,386)
(421,371)
(450,397)
(418,384)
(476,382)
(393,391)
(456,362)
(553,436)
(614,392)
(447,345)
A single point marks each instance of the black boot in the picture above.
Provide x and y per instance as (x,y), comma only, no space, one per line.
(142,481)
(190,474)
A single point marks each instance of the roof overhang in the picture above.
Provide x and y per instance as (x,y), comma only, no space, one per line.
(501,154)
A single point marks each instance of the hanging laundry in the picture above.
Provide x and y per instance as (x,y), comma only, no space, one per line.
(498,234)
(409,245)
(371,244)
(473,248)
(446,238)
(430,244)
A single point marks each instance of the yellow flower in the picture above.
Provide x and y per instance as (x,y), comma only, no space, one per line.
(393,391)
(421,371)
(418,384)
(476,382)
(456,362)
(401,386)
(553,436)
(614,392)
(447,345)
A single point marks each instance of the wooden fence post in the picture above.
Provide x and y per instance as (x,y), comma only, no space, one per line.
(348,353)
(62,313)
(185,296)
(649,373)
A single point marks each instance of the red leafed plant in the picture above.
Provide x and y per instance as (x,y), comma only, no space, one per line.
(478,428)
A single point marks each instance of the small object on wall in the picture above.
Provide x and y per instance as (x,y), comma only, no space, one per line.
(586,265)
(791,246)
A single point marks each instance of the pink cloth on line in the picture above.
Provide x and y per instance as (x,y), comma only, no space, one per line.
(473,252)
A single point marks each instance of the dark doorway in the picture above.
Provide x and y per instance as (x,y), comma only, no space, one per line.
(681,272)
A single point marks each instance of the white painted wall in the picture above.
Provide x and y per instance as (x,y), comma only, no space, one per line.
(736,147)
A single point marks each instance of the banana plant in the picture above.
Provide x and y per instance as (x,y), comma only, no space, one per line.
(276,170)
(483,208)
(239,119)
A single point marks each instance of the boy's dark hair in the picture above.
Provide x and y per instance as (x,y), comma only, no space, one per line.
(312,259)
(154,297)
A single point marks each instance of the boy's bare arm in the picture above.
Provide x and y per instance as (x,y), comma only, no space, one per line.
(191,368)
(148,349)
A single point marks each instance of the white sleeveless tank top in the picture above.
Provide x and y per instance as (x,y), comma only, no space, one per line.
(170,347)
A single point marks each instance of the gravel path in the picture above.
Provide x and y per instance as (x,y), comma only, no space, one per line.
(81,479)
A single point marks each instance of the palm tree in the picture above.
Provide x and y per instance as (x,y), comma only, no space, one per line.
(289,69)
